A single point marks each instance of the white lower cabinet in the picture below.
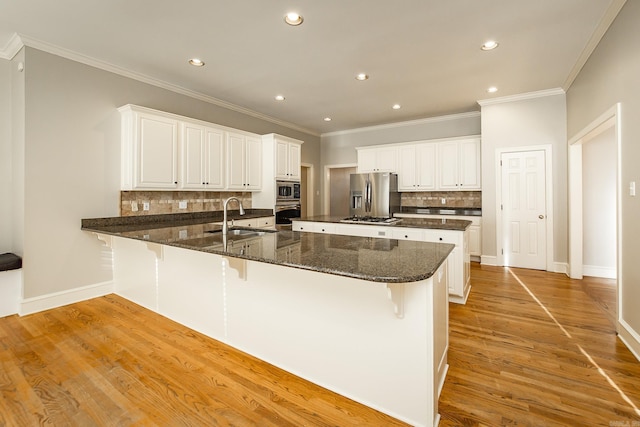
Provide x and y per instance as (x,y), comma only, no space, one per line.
(458,266)
(261,222)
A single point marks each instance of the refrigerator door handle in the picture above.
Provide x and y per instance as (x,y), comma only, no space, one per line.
(367,195)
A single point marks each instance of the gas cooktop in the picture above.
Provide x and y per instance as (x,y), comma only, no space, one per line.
(371,219)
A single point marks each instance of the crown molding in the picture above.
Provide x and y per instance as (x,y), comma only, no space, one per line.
(609,16)
(96,63)
(12,47)
(521,96)
(427,120)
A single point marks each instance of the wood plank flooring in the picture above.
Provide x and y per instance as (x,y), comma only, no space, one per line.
(513,361)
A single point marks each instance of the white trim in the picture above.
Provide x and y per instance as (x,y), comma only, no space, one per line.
(93,62)
(561,267)
(604,24)
(629,337)
(521,97)
(327,184)
(418,141)
(311,187)
(405,124)
(599,271)
(548,161)
(12,47)
(59,299)
(488,260)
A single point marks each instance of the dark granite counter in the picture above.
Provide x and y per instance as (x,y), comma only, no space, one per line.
(377,260)
(429,223)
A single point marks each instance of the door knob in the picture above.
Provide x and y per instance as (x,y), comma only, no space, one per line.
(541,216)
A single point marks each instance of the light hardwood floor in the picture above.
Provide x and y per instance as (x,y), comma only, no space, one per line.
(513,361)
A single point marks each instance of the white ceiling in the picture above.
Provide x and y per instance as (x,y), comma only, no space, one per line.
(422,54)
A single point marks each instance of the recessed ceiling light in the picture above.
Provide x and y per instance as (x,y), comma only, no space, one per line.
(492,89)
(489,45)
(396,106)
(327,119)
(362,77)
(293,19)
(279,98)
(196,62)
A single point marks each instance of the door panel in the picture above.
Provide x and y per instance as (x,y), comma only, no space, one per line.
(524,209)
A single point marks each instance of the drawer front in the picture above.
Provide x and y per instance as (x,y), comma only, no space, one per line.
(408,234)
(443,237)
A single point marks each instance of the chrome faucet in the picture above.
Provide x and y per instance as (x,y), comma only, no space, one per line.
(225,227)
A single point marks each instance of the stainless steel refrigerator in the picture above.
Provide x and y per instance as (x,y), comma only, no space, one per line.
(374,194)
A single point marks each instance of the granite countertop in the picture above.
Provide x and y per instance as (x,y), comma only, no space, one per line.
(372,259)
(428,223)
(441,211)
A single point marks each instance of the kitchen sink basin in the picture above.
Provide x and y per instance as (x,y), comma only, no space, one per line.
(238,233)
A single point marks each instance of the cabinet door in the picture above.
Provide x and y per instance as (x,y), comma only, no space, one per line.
(474,241)
(192,161)
(157,152)
(235,161)
(294,161)
(448,165)
(253,169)
(469,175)
(214,159)
(425,155)
(366,160)
(387,159)
(407,168)
(282,160)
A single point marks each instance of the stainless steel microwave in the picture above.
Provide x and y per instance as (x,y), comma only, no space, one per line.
(287,190)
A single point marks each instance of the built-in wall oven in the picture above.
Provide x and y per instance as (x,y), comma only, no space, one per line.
(287,202)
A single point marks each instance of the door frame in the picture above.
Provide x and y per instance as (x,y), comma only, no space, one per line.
(611,117)
(548,162)
(311,186)
(327,183)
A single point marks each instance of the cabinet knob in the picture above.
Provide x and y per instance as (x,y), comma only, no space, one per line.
(406,237)
(175,182)
(440,239)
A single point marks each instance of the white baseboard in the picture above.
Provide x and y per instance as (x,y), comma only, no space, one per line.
(488,260)
(597,271)
(630,338)
(561,267)
(59,299)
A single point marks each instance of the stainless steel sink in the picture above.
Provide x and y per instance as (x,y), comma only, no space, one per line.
(238,233)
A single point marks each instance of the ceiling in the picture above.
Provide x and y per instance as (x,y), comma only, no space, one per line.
(422,54)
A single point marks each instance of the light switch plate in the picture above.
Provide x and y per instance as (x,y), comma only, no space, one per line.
(182,204)
(632,188)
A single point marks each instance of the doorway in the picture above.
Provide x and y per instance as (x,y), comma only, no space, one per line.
(524,207)
(306,190)
(337,183)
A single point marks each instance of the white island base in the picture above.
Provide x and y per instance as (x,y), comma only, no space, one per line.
(383,345)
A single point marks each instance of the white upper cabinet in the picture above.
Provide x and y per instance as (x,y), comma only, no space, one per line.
(417,167)
(287,160)
(244,162)
(459,165)
(377,159)
(202,157)
(149,150)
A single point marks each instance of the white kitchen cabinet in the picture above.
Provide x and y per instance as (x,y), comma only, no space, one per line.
(287,158)
(149,150)
(244,162)
(314,227)
(260,222)
(417,167)
(202,157)
(459,165)
(377,159)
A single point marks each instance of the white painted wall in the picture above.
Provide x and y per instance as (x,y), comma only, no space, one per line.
(72,161)
(533,121)
(611,76)
(599,159)
(6,240)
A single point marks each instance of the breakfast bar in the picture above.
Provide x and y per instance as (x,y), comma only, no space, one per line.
(366,318)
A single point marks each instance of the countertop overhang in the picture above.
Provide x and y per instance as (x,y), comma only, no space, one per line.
(431,223)
(371,259)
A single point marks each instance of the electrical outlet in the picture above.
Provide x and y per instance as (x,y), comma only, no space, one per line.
(182,234)
(134,206)
(145,206)
(443,201)
(632,188)
(182,204)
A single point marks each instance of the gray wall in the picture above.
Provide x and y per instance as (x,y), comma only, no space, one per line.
(611,76)
(6,240)
(527,122)
(72,161)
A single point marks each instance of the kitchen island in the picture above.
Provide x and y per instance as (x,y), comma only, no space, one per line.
(424,229)
(366,318)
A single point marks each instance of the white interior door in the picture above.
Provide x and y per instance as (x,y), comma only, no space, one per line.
(524,213)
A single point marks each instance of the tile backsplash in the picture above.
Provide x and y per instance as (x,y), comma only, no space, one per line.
(164,202)
(457,199)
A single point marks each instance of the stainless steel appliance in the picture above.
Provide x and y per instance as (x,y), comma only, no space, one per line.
(285,212)
(287,191)
(373,196)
